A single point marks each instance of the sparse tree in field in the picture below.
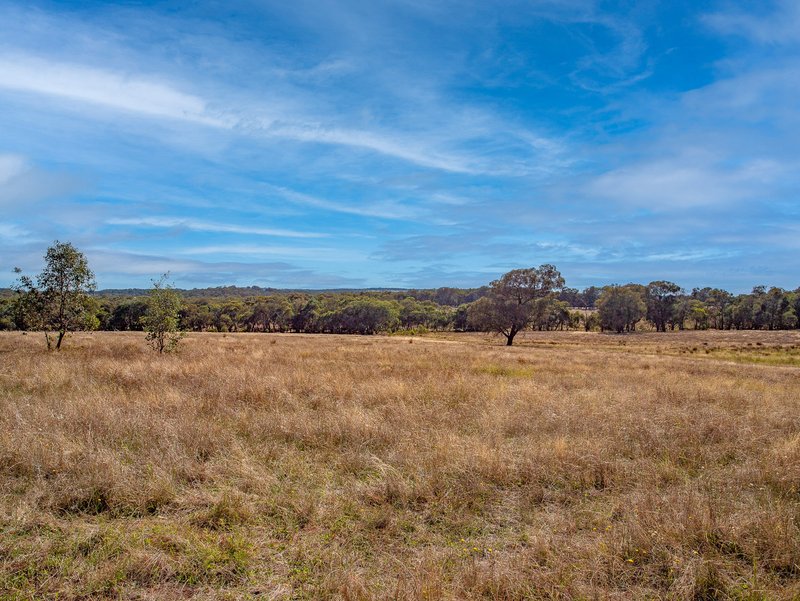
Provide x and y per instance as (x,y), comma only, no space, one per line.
(661,298)
(57,301)
(510,305)
(161,319)
(619,308)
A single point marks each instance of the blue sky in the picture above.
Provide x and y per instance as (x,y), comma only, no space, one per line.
(403,143)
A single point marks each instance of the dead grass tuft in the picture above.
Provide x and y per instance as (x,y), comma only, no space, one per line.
(571,466)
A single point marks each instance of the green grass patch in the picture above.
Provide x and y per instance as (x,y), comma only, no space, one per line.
(768,356)
(503,371)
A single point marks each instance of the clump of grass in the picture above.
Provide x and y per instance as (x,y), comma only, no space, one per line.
(506,371)
(228,511)
(569,466)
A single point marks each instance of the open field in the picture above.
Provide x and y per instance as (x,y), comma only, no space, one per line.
(570,466)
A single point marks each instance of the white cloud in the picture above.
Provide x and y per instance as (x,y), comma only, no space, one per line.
(397,147)
(157,97)
(10,166)
(103,87)
(690,255)
(153,98)
(684,182)
(205,226)
(125,269)
(778,27)
(379,210)
(22,183)
(10,232)
(291,252)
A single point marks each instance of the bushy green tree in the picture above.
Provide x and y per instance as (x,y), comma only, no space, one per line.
(307,318)
(699,314)
(7,314)
(161,319)
(717,302)
(661,298)
(511,304)
(127,315)
(57,300)
(362,316)
(620,308)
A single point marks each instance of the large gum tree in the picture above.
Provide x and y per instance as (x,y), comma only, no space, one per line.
(509,306)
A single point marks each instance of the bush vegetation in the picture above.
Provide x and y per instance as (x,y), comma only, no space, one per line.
(333,312)
(533,298)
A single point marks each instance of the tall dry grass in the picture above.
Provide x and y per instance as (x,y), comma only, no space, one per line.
(573,466)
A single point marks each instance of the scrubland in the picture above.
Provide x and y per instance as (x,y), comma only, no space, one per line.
(570,466)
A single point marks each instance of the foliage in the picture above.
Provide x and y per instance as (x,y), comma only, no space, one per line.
(161,317)
(620,308)
(362,316)
(511,304)
(488,308)
(57,301)
(661,297)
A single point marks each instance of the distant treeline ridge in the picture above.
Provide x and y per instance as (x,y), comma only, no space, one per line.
(659,305)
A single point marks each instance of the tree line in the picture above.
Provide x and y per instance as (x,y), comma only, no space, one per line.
(62,298)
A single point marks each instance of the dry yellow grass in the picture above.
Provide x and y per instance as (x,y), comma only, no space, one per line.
(572,466)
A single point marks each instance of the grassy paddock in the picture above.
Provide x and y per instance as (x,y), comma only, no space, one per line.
(571,466)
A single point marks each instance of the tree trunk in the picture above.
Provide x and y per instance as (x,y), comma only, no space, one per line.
(60,338)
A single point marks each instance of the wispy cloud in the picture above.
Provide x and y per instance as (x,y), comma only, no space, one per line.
(127,92)
(10,167)
(22,183)
(322,254)
(394,146)
(121,266)
(10,232)
(778,26)
(157,97)
(382,210)
(685,182)
(207,226)
(419,140)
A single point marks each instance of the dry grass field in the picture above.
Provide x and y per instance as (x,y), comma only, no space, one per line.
(570,466)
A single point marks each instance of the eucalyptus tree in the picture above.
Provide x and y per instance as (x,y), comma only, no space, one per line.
(57,300)
(661,298)
(510,305)
(620,308)
(161,320)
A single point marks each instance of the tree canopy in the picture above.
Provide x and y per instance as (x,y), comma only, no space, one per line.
(511,303)
(57,300)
